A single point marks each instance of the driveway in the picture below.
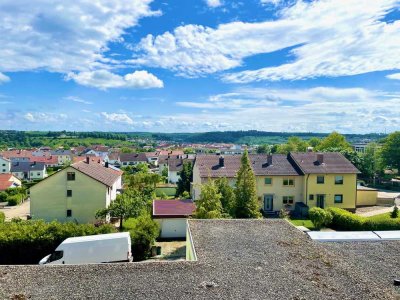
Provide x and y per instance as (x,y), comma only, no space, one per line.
(19,211)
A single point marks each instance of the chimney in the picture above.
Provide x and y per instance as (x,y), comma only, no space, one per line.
(310,149)
(269,160)
(221,161)
(320,158)
(106,164)
(87,159)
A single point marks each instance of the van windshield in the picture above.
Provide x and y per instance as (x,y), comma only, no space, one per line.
(56,255)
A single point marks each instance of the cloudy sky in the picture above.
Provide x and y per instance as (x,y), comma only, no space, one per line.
(200,65)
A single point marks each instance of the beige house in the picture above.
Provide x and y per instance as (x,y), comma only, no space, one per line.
(75,193)
(9,181)
(322,180)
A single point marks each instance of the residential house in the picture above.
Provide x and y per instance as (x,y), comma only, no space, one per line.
(327,179)
(131,159)
(63,156)
(172,216)
(92,158)
(5,165)
(29,170)
(8,181)
(175,166)
(113,158)
(75,193)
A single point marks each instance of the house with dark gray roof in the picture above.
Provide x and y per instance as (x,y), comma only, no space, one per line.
(29,170)
(131,159)
(231,259)
(312,179)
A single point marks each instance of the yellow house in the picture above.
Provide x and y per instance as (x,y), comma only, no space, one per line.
(366,196)
(284,180)
(329,179)
(75,193)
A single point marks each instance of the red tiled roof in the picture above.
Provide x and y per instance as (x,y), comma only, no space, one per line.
(6,181)
(173,208)
(97,171)
(48,160)
(94,159)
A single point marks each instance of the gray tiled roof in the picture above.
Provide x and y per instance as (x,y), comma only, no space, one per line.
(25,166)
(333,162)
(137,157)
(209,165)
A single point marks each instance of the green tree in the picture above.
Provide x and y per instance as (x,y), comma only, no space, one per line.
(209,205)
(246,194)
(314,142)
(130,204)
(164,172)
(227,196)
(264,149)
(391,151)
(143,235)
(186,177)
(334,140)
(294,144)
(372,161)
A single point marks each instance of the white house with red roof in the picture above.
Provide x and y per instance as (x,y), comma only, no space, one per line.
(172,216)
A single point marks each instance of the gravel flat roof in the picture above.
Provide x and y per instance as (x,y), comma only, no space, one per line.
(237,259)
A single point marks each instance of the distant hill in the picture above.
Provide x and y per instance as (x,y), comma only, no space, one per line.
(25,139)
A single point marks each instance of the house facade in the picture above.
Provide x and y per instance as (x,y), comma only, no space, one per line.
(131,159)
(5,165)
(75,193)
(8,181)
(284,180)
(26,170)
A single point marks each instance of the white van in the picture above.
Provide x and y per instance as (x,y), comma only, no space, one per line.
(102,248)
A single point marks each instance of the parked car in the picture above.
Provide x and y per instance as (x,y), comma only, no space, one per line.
(102,248)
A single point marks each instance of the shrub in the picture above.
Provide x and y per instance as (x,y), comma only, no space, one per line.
(2,217)
(284,213)
(143,235)
(3,196)
(14,200)
(395,213)
(344,220)
(320,217)
(26,242)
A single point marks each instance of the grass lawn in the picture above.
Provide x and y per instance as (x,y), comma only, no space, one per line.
(381,217)
(302,222)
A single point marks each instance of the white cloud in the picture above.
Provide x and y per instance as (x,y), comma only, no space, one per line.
(321,108)
(104,79)
(77,99)
(394,76)
(118,118)
(328,37)
(42,117)
(4,78)
(270,2)
(213,3)
(58,36)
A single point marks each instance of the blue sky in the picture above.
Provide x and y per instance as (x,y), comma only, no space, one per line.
(200,65)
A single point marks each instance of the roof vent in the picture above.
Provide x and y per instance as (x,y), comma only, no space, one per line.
(320,158)
(87,159)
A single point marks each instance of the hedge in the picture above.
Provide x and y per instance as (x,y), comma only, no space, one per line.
(14,200)
(344,220)
(27,242)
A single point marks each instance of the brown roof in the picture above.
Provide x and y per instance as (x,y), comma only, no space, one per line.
(98,172)
(176,164)
(209,165)
(171,208)
(125,157)
(333,162)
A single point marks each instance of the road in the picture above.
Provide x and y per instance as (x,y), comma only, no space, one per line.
(20,211)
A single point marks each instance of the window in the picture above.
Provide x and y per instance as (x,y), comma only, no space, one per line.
(320,179)
(69,193)
(338,198)
(338,179)
(4,170)
(70,176)
(288,181)
(268,180)
(4,165)
(38,173)
(288,200)
(69,213)
(56,255)
(311,197)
